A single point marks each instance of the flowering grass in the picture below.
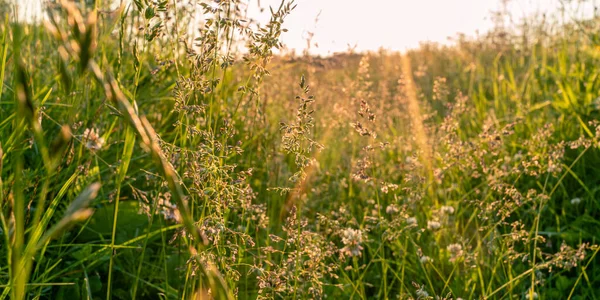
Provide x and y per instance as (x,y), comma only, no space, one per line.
(143,159)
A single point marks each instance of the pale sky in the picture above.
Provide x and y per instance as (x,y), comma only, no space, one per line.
(392,24)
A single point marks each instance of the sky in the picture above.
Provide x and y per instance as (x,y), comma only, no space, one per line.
(372,24)
(391,24)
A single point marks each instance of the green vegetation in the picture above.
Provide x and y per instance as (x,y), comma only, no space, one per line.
(144,159)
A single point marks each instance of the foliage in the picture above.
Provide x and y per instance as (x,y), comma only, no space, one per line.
(142,158)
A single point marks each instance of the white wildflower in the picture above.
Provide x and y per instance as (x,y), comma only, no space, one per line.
(92,139)
(421,293)
(411,221)
(352,239)
(391,209)
(456,251)
(384,189)
(575,201)
(448,210)
(433,225)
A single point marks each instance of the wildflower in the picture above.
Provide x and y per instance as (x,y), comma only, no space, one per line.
(352,239)
(455,250)
(421,293)
(391,209)
(448,210)
(384,189)
(425,259)
(433,225)
(92,139)
(575,201)
(411,221)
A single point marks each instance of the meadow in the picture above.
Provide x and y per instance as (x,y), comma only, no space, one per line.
(150,152)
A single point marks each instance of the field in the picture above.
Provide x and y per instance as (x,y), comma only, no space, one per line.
(142,160)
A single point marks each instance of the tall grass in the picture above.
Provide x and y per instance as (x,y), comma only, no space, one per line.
(142,160)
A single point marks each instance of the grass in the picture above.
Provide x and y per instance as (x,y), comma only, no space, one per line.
(139,160)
